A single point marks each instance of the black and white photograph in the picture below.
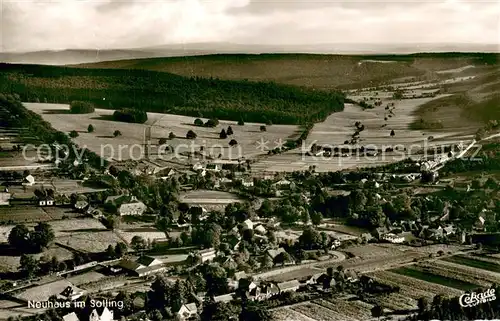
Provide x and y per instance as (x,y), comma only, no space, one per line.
(249,160)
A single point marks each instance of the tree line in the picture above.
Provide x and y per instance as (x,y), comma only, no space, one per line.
(163,92)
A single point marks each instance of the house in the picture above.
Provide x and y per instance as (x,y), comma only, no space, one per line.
(379,232)
(143,266)
(366,237)
(435,233)
(134,207)
(335,243)
(71,293)
(326,281)
(288,286)
(224,298)
(260,229)
(165,173)
(351,276)
(247,225)
(239,275)
(207,254)
(81,205)
(274,253)
(70,317)
(105,315)
(46,201)
(29,180)
(284,184)
(479,224)
(187,312)
(222,182)
(5,198)
(393,238)
(449,230)
(247,182)
(213,167)
(265,291)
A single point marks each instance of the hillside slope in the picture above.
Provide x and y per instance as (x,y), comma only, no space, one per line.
(319,71)
(168,93)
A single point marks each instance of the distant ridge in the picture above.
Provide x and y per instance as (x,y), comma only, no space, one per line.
(80,56)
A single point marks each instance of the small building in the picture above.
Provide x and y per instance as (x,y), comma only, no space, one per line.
(213,167)
(393,238)
(165,173)
(134,207)
(81,205)
(225,298)
(143,266)
(104,315)
(5,198)
(247,182)
(379,232)
(29,180)
(46,201)
(274,253)
(260,229)
(187,312)
(247,225)
(289,286)
(70,317)
(71,293)
(207,254)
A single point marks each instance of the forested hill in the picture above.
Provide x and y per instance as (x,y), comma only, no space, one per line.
(169,93)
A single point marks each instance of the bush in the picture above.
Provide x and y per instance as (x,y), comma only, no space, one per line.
(233,142)
(130,116)
(198,122)
(91,128)
(73,134)
(81,107)
(117,133)
(269,123)
(241,122)
(229,131)
(213,122)
(171,135)
(263,128)
(223,134)
(393,133)
(162,141)
(191,135)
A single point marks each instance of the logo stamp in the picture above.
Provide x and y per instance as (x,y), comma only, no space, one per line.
(469,300)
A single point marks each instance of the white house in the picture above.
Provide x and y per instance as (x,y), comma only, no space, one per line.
(134,207)
(105,315)
(207,254)
(260,229)
(70,317)
(187,312)
(5,198)
(247,182)
(28,180)
(393,238)
(247,225)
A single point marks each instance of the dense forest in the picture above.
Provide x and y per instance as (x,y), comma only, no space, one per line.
(169,93)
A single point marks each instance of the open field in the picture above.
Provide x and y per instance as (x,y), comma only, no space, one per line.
(147,233)
(208,197)
(472,275)
(28,214)
(89,242)
(475,262)
(423,275)
(354,309)
(162,124)
(320,313)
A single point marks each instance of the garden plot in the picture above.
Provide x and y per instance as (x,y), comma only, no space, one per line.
(162,124)
(476,262)
(207,197)
(76,226)
(414,288)
(148,233)
(396,301)
(464,273)
(287,314)
(89,242)
(24,214)
(437,276)
(353,309)
(320,313)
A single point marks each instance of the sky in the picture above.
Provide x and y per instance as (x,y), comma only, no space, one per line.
(31,25)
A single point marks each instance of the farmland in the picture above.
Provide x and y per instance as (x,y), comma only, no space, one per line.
(422,274)
(476,263)
(105,144)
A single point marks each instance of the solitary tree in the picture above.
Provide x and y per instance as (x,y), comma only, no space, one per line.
(241,122)
(392,133)
(262,128)
(90,129)
(191,135)
(223,134)
(198,122)
(229,131)
(162,141)
(138,243)
(73,134)
(377,311)
(171,135)
(117,133)
(233,142)
(28,265)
